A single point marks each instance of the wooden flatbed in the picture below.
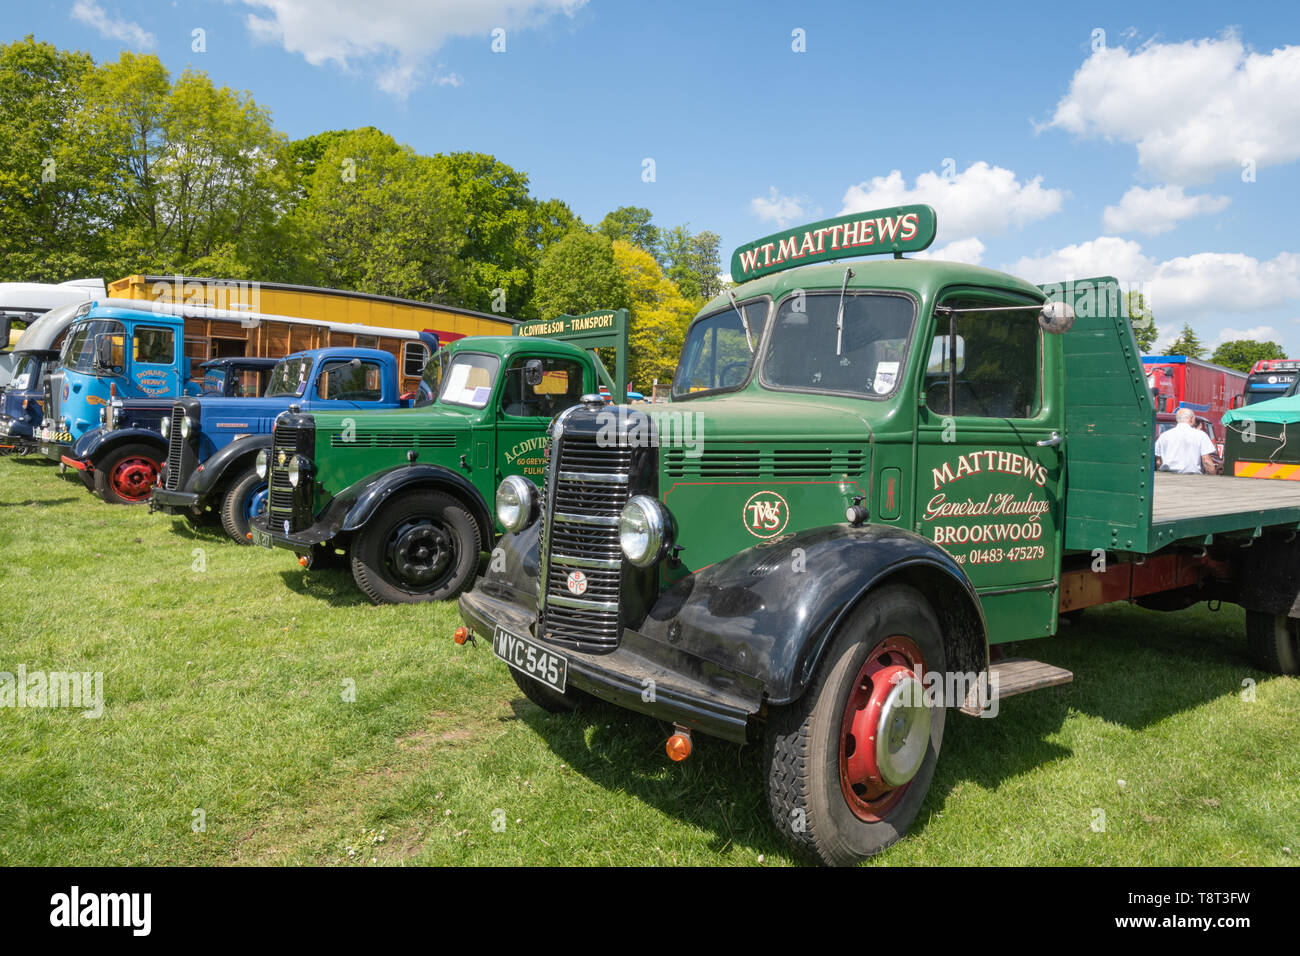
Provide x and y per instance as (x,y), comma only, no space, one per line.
(1195,506)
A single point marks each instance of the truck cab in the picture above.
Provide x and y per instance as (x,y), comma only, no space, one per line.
(212,441)
(111,351)
(22,398)
(404,495)
(121,459)
(871,474)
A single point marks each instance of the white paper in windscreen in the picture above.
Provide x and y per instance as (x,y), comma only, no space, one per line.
(456,379)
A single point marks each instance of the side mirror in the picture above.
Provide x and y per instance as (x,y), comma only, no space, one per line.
(1056,317)
(533,372)
(1238,401)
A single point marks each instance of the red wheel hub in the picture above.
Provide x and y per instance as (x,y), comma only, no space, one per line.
(133,478)
(886,729)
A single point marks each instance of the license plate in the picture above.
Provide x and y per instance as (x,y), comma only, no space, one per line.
(545,667)
(261,538)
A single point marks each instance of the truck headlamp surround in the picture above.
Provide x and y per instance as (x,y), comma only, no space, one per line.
(516,503)
(166,426)
(262,463)
(299,468)
(187,426)
(644,530)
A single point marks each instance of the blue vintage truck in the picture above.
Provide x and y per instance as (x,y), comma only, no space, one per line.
(36,356)
(212,443)
(120,459)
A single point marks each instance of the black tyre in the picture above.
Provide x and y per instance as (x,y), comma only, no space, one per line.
(839,798)
(545,698)
(126,475)
(423,546)
(1273,641)
(87,479)
(242,500)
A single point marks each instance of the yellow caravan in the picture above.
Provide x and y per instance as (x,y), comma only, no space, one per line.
(332,306)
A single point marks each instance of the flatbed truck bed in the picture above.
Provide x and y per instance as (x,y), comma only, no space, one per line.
(1195,506)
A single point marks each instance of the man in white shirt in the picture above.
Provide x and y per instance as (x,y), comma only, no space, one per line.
(1185,449)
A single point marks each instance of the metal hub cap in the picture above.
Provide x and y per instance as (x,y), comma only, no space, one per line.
(134,477)
(885,733)
(420,553)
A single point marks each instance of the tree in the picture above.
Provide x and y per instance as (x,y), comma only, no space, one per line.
(55,172)
(1141,320)
(659,316)
(1187,344)
(691,261)
(380,218)
(1242,354)
(631,224)
(579,274)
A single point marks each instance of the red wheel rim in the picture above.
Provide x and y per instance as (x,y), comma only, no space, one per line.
(866,792)
(133,478)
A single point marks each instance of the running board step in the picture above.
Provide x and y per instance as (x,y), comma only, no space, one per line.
(1016,675)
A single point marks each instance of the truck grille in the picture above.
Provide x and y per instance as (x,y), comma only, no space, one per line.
(581,531)
(279,505)
(175,448)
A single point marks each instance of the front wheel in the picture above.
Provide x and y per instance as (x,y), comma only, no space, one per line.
(850,762)
(1273,641)
(126,475)
(423,546)
(243,501)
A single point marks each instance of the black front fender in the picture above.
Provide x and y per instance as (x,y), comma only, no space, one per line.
(95,444)
(769,611)
(223,459)
(365,498)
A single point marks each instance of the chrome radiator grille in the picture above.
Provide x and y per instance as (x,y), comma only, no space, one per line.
(280,501)
(584,561)
(175,448)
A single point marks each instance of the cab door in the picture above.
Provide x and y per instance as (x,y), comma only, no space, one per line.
(529,400)
(990,453)
(155,361)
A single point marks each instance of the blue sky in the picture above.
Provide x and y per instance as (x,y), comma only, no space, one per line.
(1046,148)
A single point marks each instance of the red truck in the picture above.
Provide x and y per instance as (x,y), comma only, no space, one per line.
(1205,388)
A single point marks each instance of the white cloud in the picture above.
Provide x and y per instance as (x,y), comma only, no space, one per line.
(780,209)
(1192,109)
(112,27)
(1159,209)
(982,198)
(1260,333)
(970,251)
(393,38)
(1203,285)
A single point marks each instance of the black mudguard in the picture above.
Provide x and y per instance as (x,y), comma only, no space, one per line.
(235,454)
(96,444)
(769,612)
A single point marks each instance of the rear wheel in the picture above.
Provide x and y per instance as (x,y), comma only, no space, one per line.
(423,546)
(243,501)
(850,762)
(126,475)
(1273,641)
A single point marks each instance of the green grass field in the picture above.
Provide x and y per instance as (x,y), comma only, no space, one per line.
(226,668)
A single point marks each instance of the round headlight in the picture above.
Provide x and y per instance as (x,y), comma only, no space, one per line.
(262,463)
(297,466)
(187,426)
(516,501)
(644,530)
(166,425)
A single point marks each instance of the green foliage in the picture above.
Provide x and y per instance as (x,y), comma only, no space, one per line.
(1187,343)
(1142,321)
(578,274)
(692,261)
(380,218)
(1242,354)
(631,224)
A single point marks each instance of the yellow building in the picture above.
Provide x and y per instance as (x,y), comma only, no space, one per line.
(323,305)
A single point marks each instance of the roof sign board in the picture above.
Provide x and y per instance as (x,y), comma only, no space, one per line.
(604,328)
(897,230)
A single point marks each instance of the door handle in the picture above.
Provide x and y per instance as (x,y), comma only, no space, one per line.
(1056,439)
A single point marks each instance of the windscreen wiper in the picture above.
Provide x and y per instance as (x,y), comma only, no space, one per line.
(839,317)
(743,321)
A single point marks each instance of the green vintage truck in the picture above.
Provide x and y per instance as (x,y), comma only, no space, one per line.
(402,494)
(872,474)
